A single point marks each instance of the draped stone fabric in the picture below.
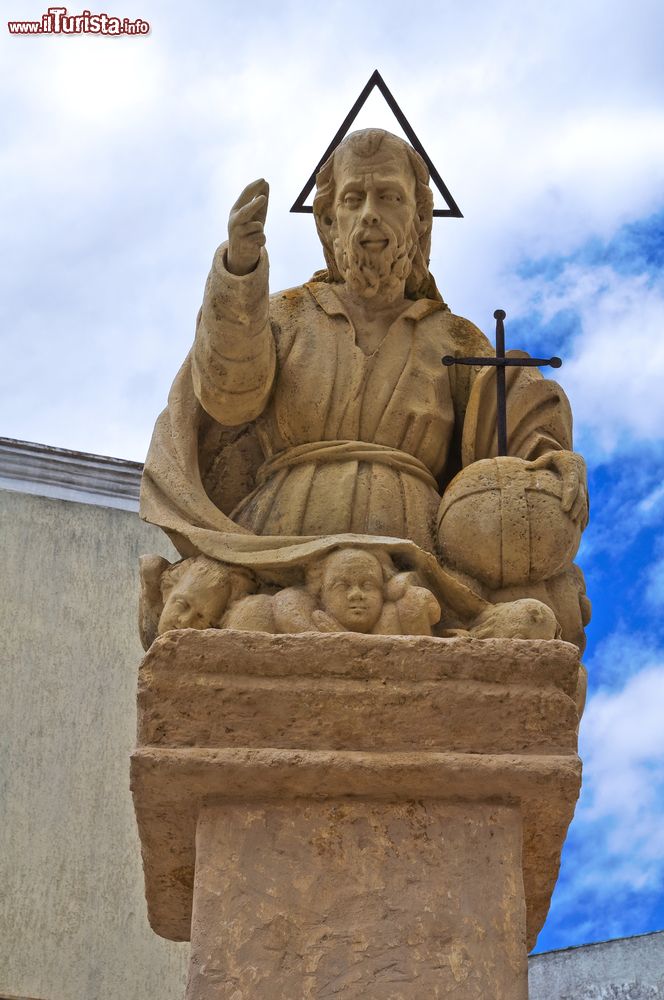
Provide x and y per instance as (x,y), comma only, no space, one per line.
(280,429)
(293,368)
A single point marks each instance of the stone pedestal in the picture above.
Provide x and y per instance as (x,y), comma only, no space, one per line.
(354,816)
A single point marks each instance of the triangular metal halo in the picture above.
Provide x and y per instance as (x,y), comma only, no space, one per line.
(376,80)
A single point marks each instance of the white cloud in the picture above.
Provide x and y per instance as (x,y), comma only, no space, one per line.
(614,860)
(101,87)
(622,745)
(625,502)
(615,373)
(653,501)
(622,654)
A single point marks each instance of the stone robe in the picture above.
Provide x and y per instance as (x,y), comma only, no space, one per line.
(326,439)
(350,442)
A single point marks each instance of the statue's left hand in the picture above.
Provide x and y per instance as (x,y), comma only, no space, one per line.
(572,470)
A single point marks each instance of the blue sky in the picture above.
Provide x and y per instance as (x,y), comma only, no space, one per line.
(120,159)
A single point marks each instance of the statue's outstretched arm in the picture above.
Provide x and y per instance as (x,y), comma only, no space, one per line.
(234,357)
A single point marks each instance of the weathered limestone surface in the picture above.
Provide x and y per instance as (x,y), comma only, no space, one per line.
(355,692)
(358,899)
(391,754)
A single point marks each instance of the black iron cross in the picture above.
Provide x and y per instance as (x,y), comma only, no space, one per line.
(500,362)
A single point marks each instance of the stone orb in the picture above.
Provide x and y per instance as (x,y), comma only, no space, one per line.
(503,524)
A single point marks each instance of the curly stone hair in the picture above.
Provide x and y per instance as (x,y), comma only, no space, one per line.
(420,283)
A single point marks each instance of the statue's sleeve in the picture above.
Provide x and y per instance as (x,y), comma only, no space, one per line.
(234,356)
(539,418)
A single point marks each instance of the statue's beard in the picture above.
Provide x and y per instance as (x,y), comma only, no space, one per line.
(375,272)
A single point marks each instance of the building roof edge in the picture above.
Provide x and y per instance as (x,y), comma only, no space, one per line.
(59,473)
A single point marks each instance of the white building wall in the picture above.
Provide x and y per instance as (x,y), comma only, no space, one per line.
(625,969)
(73,923)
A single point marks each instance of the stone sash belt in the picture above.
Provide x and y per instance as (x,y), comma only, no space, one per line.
(324,452)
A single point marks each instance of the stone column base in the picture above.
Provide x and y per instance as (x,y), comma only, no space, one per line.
(356,898)
(367,816)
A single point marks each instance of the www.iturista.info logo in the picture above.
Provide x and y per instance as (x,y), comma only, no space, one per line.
(56,21)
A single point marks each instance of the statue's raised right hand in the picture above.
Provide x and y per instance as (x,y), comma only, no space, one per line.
(245,227)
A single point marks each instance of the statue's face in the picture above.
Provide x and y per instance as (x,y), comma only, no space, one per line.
(352,589)
(375,212)
(194,602)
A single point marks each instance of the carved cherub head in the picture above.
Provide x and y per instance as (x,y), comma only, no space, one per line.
(351,587)
(193,593)
(373,209)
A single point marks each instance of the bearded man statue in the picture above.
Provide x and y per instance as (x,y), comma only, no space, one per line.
(324,410)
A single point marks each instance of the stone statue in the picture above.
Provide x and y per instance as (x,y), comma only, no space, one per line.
(360,783)
(316,421)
